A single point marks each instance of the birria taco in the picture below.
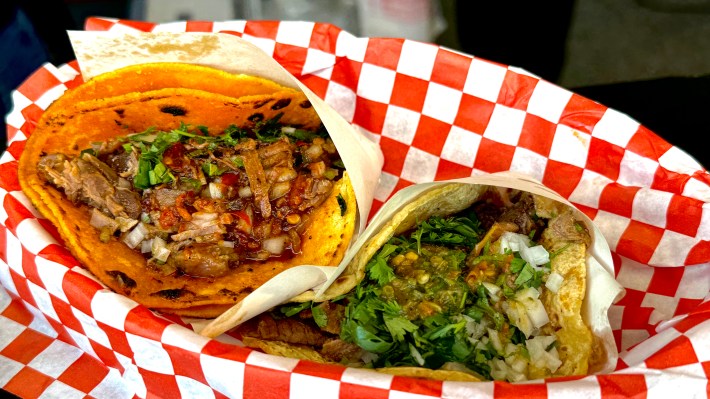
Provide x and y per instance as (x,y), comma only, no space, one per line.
(467,282)
(187,199)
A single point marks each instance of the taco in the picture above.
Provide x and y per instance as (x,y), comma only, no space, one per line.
(187,200)
(467,283)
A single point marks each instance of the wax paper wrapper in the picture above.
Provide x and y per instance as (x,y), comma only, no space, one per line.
(436,114)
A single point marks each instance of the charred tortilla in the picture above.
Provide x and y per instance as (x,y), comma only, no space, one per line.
(230,192)
(466,282)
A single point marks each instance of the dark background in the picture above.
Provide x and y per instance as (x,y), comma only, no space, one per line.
(644,57)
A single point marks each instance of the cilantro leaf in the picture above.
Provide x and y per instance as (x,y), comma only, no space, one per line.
(448,231)
(377,267)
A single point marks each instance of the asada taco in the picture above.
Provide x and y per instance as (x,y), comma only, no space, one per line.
(467,282)
(186,200)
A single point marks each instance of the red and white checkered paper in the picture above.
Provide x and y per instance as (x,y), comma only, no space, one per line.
(437,114)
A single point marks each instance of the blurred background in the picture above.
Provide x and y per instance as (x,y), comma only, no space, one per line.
(647,58)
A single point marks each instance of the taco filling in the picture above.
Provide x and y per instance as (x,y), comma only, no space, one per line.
(197,204)
(476,293)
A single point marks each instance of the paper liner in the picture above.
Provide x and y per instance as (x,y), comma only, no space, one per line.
(437,115)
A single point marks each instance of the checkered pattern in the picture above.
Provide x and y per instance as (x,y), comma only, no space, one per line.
(437,114)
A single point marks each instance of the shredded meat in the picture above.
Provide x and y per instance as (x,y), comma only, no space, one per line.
(90,181)
(522,214)
(564,229)
(257,181)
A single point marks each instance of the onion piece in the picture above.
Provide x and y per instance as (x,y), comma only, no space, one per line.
(492,289)
(135,236)
(313,152)
(539,356)
(535,310)
(495,340)
(535,255)
(125,224)
(244,192)
(226,244)
(278,190)
(554,282)
(215,190)
(499,370)
(159,249)
(513,241)
(275,245)
(146,246)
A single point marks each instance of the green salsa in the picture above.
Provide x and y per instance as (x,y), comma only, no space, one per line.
(428,282)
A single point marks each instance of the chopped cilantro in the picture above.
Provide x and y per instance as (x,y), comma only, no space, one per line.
(295,308)
(211,169)
(319,315)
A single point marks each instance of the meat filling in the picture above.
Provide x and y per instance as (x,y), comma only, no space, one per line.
(197,204)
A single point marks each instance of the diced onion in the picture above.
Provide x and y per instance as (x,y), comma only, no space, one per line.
(159,249)
(474,329)
(215,190)
(145,217)
(499,370)
(278,190)
(227,244)
(539,356)
(368,357)
(491,288)
(135,236)
(535,310)
(537,313)
(314,151)
(157,243)
(535,255)
(513,241)
(125,224)
(519,364)
(554,282)
(244,192)
(527,293)
(146,246)
(495,340)
(275,245)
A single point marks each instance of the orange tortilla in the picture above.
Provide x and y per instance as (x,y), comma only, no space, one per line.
(160,75)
